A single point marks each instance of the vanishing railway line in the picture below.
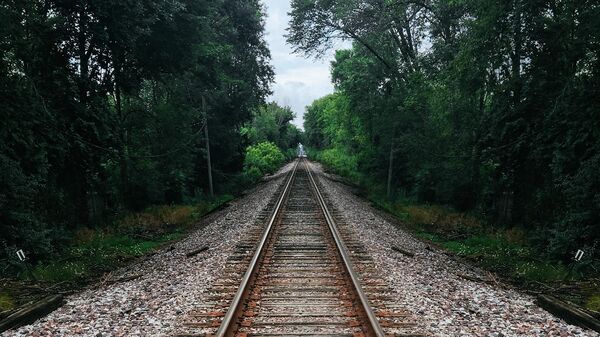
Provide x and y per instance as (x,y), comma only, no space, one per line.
(302,276)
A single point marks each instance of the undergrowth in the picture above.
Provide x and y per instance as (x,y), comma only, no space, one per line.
(509,252)
(96,250)
(6,302)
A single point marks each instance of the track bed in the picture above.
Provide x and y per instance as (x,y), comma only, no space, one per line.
(298,278)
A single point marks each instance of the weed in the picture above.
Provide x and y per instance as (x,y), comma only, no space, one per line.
(516,235)
(541,271)
(97,250)
(158,219)
(83,235)
(439,218)
(428,236)
(593,302)
(6,302)
(60,271)
(502,250)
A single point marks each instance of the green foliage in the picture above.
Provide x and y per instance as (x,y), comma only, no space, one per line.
(262,158)
(104,107)
(252,175)
(340,162)
(272,138)
(272,123)
(60,271)
(505,251)
(291,153)
(499,117)
(541,271)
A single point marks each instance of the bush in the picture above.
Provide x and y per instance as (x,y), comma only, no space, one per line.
(20,225)
(251,175)
(291,153)
(262,158)
(340,162)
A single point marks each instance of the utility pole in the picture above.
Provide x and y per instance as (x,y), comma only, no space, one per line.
(390,170)
(210,182)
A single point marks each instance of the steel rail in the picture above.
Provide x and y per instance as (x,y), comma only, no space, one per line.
(225,329)
(343,250)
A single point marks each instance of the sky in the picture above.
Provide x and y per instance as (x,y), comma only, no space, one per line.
(298,80)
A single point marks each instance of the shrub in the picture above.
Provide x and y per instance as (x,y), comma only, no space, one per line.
(340,162)
(251,175)
(261,159)
(291,153)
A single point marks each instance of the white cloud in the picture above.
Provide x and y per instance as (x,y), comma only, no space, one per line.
(298,81)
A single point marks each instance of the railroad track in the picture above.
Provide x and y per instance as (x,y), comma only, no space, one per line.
(303,275)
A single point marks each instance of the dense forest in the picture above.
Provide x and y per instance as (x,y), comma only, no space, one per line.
(490,107)
(109,107)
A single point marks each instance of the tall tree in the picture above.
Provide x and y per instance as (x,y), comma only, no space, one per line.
(101,106)
(477,104)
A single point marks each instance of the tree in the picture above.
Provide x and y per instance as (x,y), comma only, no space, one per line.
(490,116)
(271,122)
(102,113)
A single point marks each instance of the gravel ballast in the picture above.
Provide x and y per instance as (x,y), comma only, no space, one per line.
(149,297)
(429,284)
(170,284)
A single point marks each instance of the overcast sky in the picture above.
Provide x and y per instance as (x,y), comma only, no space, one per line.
(298,81)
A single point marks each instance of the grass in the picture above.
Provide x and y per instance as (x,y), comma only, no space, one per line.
(6,302)
(506,251)
(540,271)
(593,302)
(94,251)
(58,271)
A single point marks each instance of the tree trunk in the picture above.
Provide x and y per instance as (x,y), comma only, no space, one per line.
(83,57)
(390,170)
(516,55)
(476,152)
(475,174)
(124,155)
(207,140)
